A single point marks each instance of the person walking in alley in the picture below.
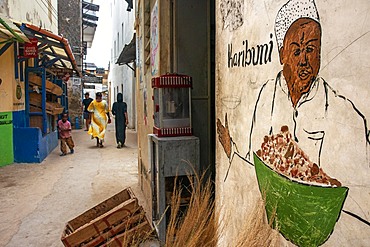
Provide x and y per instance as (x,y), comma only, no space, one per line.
(119,110)
(65,135)
(99,115)
(85,104)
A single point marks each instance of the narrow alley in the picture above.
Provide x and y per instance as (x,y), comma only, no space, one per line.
(38,199)
(249,123)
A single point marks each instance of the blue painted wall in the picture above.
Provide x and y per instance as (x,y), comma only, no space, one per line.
(19,119)
(31,147)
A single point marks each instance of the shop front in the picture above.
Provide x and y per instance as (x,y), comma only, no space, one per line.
(35,68)
(11,90)
(46,72)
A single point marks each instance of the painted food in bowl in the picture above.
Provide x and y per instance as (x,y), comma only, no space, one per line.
(303,200)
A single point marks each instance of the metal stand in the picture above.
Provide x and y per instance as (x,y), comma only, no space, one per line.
(171,159)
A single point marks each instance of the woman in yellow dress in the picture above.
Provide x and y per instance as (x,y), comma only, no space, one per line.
(99,112)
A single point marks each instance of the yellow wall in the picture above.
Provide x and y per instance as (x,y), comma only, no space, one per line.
(6,106)
(144,93)
(11,89)
(8,81)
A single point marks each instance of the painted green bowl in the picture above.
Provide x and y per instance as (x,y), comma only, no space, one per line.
(305,214)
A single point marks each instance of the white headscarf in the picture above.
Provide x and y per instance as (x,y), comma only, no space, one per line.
(289,13)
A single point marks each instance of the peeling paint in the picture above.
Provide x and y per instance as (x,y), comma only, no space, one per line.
(4,7)
(232,12)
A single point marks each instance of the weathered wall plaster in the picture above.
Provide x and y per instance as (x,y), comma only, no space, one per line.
(41,13)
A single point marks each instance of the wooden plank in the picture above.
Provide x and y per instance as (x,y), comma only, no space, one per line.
(50,86)
(102,223)
(120,228)
(52,108)
(56,110)
(57,90)
(101,208)
(36,121)
(124,239)
(95,227)
(131,193)
(37,81)
(67,230)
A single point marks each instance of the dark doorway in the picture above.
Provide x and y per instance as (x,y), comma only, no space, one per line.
(193,49)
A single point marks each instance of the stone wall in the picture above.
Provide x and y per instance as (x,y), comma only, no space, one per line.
(70,27)
(75,102)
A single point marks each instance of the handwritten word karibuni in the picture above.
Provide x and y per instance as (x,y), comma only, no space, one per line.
(261,54)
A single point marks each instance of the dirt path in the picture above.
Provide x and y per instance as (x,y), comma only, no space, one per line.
(38,199)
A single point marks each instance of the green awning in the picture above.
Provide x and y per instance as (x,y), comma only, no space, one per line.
(10,32)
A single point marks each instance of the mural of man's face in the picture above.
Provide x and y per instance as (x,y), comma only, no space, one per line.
(300,56)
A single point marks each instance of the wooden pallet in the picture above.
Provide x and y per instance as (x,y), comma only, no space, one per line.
(124,239)
(120,214)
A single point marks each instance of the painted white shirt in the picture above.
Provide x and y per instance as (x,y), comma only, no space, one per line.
(327,127)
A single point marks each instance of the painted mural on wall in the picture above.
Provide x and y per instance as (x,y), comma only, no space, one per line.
(250,56)
(154,40)
(142,82)
(306,140)
(18,96)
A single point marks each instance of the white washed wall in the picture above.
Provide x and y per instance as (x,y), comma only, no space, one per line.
(121,74)
(37,12)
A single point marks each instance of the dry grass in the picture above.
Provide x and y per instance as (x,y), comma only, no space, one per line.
(199,225)
(257,231)
(133,237)
(136,240)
